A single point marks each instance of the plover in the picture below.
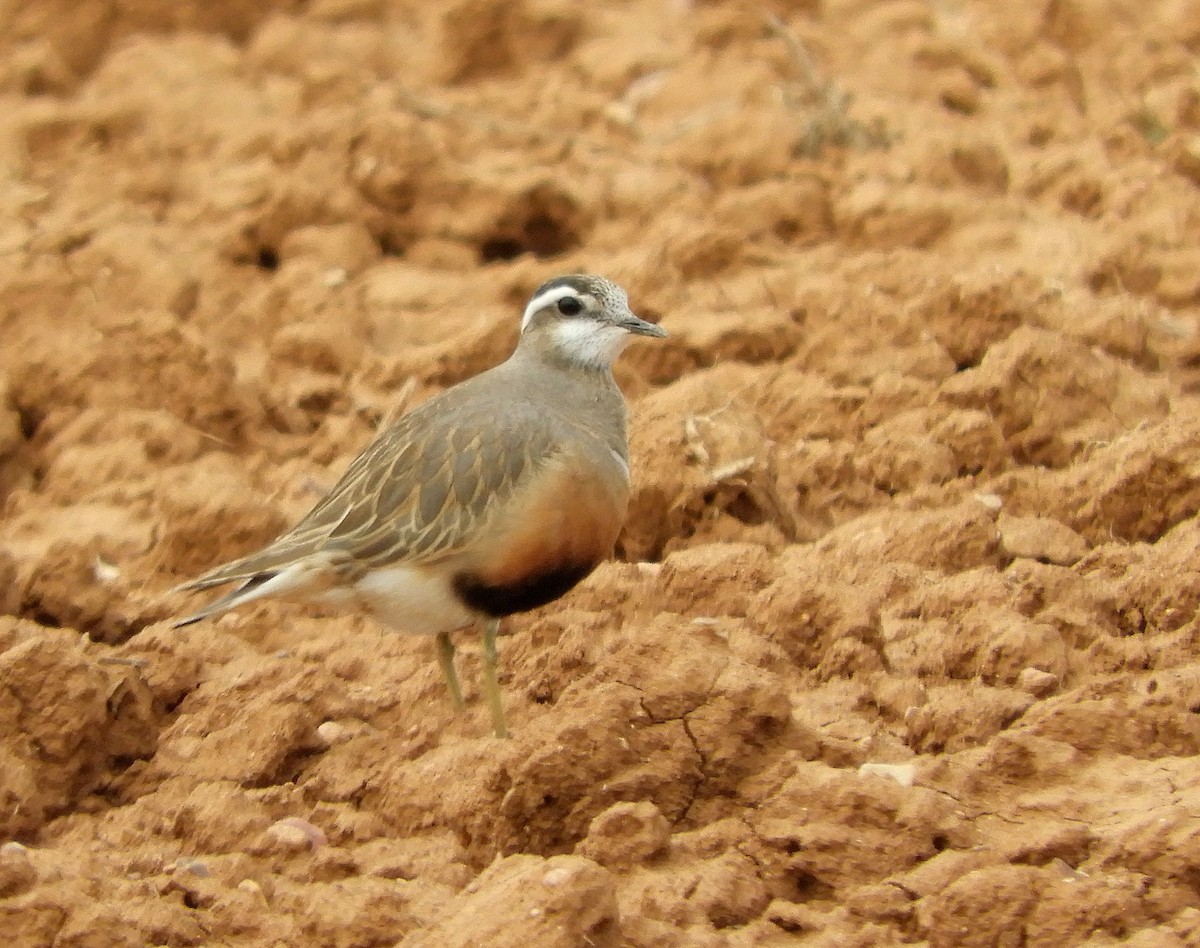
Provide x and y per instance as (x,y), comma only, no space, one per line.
(492,498)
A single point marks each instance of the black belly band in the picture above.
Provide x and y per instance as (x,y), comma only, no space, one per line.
(529,593)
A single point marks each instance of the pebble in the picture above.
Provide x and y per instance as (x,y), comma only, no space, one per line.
(903,774)
(252,888)
(626,834)
(1042,539)
(330,733)
(1037,682)
(17,872)
(193,866)
(105,572)
(293,833)
(556,877)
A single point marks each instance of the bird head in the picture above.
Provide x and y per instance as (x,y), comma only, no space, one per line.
(583,319)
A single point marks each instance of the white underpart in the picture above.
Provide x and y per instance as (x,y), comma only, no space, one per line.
(407,600)
(590,343)
(549,298)
(401,597)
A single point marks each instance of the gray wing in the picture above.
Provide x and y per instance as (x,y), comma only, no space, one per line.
(416,494)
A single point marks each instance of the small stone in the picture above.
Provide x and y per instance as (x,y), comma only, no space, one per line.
(193,866)
(527,900)
(335,277)
(556,877)
(1037,682)
(186,747)
(1041,539)
(330,733)
(253,889)
(289,837)
(1066,871)
(626,834)
(17,873)
(993,502)
(105,572)
(903,774)
(293,833)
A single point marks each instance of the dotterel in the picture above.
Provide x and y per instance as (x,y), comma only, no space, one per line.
(494,497)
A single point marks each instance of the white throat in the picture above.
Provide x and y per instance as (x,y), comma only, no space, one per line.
(586,342)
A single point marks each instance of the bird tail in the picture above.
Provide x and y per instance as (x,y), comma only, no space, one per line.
(248,591)
(307,575)
(284,567)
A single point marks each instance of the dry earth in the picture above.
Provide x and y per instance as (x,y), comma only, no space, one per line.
(900,645)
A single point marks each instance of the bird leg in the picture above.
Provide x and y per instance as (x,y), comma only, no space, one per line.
(491,686)
(445,650)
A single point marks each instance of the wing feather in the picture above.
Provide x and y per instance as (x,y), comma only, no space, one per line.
(419,492)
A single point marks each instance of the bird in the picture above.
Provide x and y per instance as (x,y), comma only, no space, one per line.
(492,498)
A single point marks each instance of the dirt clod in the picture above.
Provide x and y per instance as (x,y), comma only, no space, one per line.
(899,645)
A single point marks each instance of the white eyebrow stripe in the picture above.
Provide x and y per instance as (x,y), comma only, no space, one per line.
(546,299)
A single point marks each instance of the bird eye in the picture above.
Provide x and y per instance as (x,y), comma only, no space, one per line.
(570,306)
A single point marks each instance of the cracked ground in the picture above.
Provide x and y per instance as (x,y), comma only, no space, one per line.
(899,644)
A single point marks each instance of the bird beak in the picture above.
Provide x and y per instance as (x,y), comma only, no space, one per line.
(640,327)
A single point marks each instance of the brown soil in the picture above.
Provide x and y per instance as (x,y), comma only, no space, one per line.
(901,642)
